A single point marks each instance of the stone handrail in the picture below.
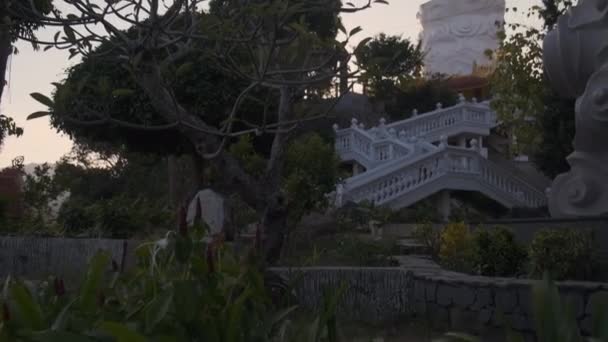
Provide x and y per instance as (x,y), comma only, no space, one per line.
(440,120)
(371,151)
(382,185)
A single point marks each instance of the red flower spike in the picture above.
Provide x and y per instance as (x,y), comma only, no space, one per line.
(101,299)
(198,216)
(210,257)
(183,221)
(258,238)
(59,287)
(6,314)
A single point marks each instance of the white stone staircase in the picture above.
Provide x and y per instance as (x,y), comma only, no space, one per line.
(404,164)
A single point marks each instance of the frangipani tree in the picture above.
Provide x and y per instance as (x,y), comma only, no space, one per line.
(267,44)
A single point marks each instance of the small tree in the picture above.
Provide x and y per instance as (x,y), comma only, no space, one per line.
(525,102)
(389,61)
(264,43)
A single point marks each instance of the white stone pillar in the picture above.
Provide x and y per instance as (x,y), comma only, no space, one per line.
(444,205)
(462,141)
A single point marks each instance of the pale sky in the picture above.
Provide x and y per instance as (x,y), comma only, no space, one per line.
(31,71)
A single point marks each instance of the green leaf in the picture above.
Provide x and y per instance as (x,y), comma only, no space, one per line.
(58,336)
(461,337)
(37,115)
(157,309)
(93,281)
(186,298)
(355,31)
(25,307)
(61,319)
(363,43)
(121,332)
(183,248)
(235,315)
(43,99)
(599,310)
(69,32)
(184,69)
(123,92)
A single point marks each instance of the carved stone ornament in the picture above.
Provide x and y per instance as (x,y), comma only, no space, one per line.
(576,63)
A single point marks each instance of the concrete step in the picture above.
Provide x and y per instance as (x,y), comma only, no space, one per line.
(399,230)
(417,263)
(411,246)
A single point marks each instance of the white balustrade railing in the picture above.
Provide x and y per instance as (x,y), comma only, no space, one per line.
(382,185)
(371,151)
(393,141)
(445,118)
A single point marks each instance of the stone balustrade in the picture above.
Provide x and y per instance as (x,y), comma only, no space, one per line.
(381,186)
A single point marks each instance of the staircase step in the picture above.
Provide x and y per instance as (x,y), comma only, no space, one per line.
(417,262)
(399,230)
(412,247)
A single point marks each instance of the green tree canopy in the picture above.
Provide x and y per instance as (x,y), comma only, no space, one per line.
(529,108)
(389,60)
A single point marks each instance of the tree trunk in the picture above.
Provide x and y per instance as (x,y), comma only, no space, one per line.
(275,213)
(185,179)
(6,48)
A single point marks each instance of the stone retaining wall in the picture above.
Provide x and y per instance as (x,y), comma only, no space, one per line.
(478,304)
(35,258)
(450,301)
(370,294)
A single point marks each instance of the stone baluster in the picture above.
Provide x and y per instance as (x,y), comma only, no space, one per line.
(336,127)
(415,113)
(402,135)
(475,162)
(461,98)
(392,132)
(353,123)
(339,195)
(443,142)
(439,105)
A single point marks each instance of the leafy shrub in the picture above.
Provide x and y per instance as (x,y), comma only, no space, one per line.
(184,289)
(456,250)
(522,213)
(355,252)
(497,253)
(358,216)
(311,172)
(565,253)
(76,218)
(430,237)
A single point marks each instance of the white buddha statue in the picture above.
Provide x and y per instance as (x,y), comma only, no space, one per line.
(457,33)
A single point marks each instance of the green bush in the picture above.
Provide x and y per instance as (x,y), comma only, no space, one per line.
(496,253)
(311,172)
(456,251)
(565,253)
(430,237)
(76,218)
(182,290)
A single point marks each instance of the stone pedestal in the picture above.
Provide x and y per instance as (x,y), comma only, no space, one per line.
(444,205)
